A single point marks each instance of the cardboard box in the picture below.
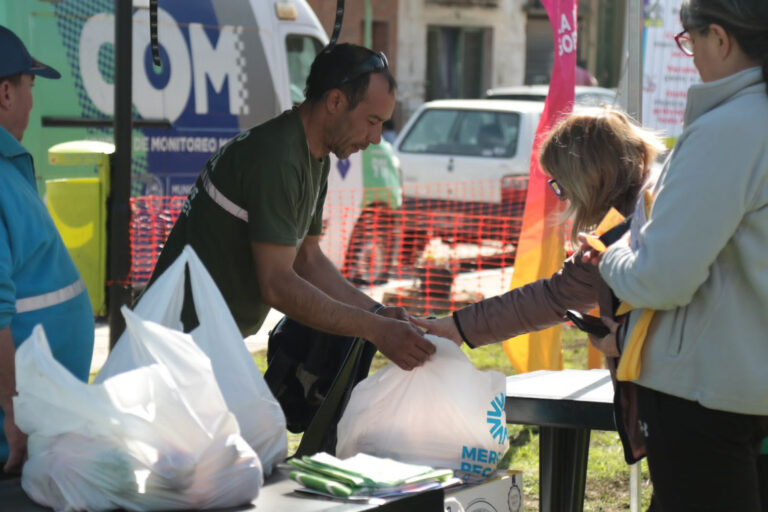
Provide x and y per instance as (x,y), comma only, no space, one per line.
(501,493)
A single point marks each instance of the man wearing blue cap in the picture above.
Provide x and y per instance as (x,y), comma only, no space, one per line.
(39,283)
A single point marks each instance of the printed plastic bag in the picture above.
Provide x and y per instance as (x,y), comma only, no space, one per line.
(261,420)
(444,414)
(159,437)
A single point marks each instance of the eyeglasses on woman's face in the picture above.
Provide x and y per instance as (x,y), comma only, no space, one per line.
(685,43)
(557,189)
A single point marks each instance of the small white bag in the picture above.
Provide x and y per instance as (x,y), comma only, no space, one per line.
(159,437)
(261,419)
(444,414)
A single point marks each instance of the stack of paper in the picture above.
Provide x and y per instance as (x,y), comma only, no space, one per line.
(366,476)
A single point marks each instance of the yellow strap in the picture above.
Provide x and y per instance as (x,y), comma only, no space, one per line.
(595,243)
(611,219)
(648,197)
(631,358)
(624,308)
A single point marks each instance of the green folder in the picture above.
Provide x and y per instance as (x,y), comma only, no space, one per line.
(321,483)
(361,475)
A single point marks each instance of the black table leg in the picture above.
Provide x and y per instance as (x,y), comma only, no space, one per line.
(563,454)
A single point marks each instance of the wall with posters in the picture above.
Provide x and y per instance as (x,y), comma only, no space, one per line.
(667,72)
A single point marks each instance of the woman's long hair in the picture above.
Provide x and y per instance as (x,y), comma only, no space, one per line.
(600,160)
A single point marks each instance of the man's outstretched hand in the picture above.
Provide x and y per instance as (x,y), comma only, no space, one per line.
(402,343)
(396,312)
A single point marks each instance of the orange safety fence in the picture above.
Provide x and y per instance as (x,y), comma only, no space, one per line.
(436,249)
(152,218)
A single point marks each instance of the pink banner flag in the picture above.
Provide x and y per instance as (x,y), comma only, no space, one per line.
(540,251)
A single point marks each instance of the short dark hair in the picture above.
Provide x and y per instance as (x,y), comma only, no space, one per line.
(332,66)
(15,79)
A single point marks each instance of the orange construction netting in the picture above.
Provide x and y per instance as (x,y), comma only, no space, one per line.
(437,249)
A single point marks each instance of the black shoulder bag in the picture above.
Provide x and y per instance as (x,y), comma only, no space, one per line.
(307,369)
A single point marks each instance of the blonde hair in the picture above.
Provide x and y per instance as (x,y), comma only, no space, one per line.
(600,159)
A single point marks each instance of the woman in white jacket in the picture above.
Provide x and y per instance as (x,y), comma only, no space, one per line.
(701,261)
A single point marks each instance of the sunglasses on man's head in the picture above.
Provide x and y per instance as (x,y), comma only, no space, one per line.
(374,63)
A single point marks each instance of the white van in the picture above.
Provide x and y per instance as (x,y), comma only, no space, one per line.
(227,65)
(466,163)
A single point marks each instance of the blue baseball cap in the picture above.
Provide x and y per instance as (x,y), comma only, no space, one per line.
(16,58)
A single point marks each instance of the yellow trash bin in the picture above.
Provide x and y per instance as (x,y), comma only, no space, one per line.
(78,208)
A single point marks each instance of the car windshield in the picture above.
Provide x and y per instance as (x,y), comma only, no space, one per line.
(589,98)
(518,97)
(464,132)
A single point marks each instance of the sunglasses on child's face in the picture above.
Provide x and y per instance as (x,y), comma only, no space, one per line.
(557,189)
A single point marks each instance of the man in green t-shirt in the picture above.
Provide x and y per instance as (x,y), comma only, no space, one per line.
(254,216)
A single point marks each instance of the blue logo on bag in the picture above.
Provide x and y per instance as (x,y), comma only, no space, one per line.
(498,427)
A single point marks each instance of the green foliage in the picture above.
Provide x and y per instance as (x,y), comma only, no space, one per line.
(607,474)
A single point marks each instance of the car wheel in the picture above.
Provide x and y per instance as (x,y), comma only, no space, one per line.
(371,249)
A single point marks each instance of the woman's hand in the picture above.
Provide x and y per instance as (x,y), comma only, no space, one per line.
(444,327)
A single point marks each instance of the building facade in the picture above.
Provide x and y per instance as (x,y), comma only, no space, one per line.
(460,48)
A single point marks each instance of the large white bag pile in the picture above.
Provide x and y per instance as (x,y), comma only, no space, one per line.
(444,414)
(261,420)
(159,437)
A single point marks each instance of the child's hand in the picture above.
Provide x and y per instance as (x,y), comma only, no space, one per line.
(588,253)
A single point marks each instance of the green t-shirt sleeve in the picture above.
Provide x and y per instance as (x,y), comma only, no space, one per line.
(273,198)
(316,228)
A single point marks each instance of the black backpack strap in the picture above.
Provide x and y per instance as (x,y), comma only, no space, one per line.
(321,434)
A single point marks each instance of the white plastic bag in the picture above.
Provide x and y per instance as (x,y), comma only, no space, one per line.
(156,438)
(444,414)
(261,420)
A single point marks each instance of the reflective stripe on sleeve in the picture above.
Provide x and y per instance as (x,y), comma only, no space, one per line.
(220,199)
(47,300)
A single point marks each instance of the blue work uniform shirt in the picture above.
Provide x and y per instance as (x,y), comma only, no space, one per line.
(35,262)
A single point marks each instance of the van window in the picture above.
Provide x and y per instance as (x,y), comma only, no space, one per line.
(464,133)
(301,52)
(431,132)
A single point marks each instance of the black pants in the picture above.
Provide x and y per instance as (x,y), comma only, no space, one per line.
(700,459)
(762,474)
